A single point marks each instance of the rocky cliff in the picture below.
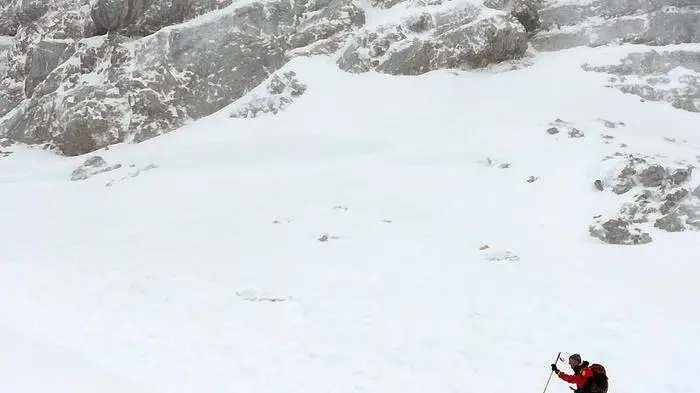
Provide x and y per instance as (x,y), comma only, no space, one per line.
(79,75)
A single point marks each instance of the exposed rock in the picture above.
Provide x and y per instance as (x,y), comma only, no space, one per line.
(598,184)
(104,90)
(43,58)
(599,22)
(677,195)
(461,37)
(92,166)
(659,198)
(525,11)
(637,171)
(144,17)
(619,231)
(622,186)
(326,237)
(9,22)
(6,43)
(69,87)
(652,176)
(670,223)
(270,97)
(110,15)
(576,133)
(681,175)
(558,125)
(41,32)
(682,91)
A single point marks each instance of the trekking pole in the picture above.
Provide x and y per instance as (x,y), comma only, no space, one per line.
(552,372)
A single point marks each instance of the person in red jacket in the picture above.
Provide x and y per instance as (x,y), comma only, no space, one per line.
(581,372)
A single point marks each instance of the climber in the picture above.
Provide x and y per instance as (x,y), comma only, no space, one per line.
(581,372)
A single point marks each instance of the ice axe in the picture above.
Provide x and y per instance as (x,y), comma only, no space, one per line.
(552,372)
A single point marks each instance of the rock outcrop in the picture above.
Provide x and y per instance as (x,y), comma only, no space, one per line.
(270,97)
(655,22)
(648,75)
(465,36)
(78,96)
(92,166)
(662,197)
(78,75)
(560,125)
(527,12)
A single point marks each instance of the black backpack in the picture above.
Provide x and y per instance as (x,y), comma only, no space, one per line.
(598,382)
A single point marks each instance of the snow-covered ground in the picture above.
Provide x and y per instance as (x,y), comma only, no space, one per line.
(204,273)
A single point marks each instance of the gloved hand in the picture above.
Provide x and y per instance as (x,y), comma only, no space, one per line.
(555,369)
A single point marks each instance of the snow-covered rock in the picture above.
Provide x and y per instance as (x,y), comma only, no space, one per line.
(5,46)
(464,36)
(559,125)
(671,76)
(92,166)
(597,22)
(79,75)
(661,196)
(527,12)
(270,97)
(86,94)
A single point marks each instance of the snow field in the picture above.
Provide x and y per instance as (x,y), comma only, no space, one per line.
(163,282)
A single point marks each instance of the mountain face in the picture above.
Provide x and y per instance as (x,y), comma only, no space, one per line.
(80,75)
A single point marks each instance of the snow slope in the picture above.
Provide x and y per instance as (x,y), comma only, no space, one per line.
(204,273)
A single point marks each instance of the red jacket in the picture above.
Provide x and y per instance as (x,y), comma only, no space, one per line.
(579,379)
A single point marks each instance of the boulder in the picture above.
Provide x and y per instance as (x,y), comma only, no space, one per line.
(652,176)
(619,231)
(92,166)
